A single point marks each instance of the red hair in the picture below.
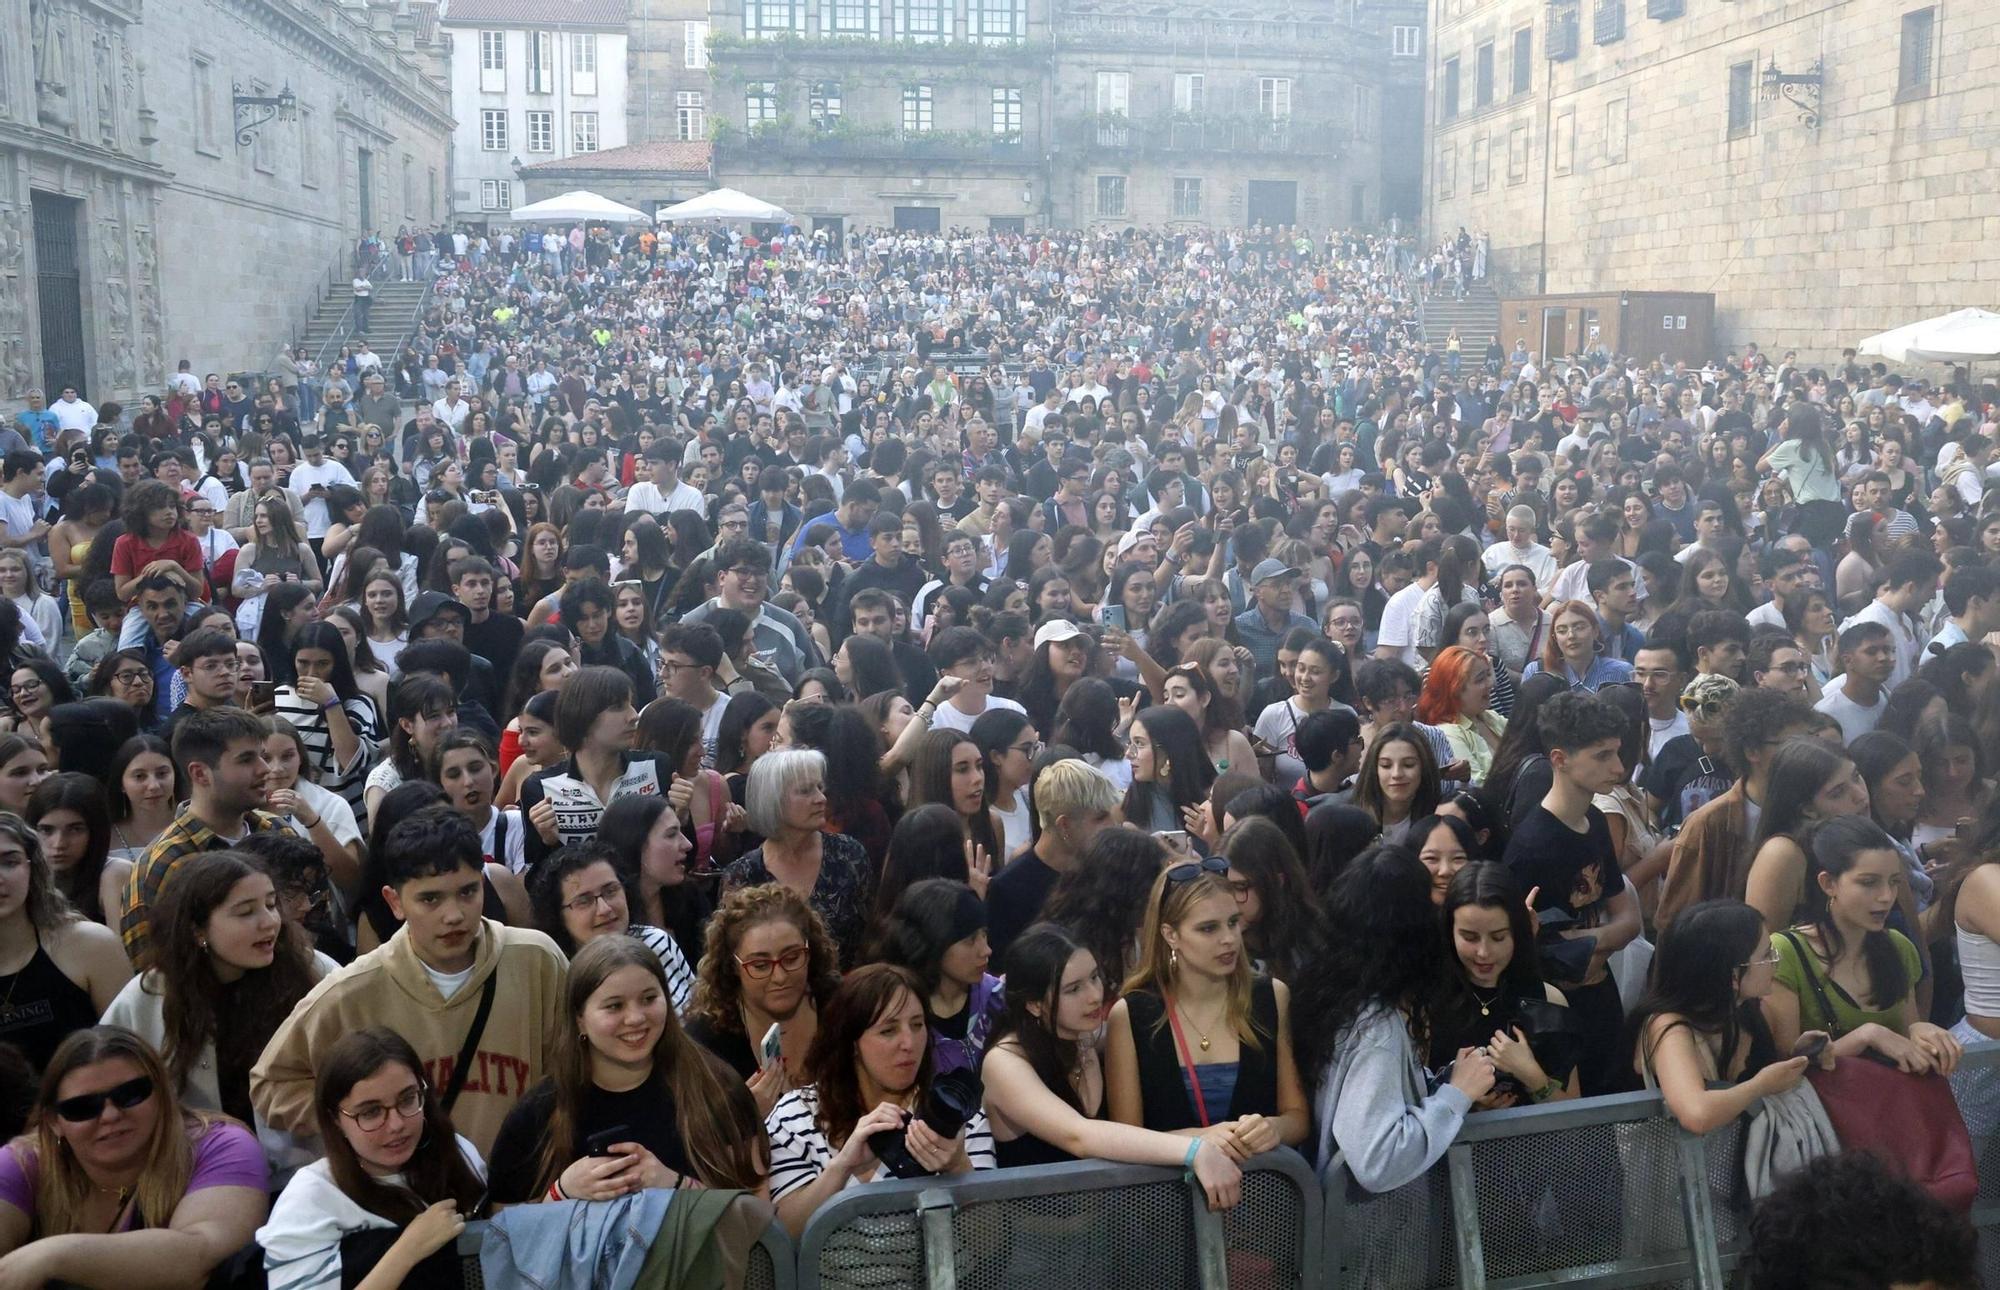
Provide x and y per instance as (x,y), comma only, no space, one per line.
(1437,704)
(1552,657)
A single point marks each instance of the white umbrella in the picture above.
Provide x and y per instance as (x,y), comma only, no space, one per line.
(725,204)
(1964,336)
(581,206)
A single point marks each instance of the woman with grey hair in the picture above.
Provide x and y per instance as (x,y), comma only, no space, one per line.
(785,799)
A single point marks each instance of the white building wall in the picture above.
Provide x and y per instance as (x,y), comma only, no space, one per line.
(474,164)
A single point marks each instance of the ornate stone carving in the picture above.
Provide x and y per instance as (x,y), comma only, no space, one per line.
(152,326)
(50,37)
(104,88)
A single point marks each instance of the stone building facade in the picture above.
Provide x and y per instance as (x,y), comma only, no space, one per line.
(1633,145)
(1013,114)
(135,227)
(669,93)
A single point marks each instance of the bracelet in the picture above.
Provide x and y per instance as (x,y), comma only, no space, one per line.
(1194,1148)
(330,703)
(1546,1091)
(555,1191)
(313,823)
(927,710)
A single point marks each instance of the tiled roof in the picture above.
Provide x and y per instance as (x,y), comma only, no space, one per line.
(668,155)
(589,13)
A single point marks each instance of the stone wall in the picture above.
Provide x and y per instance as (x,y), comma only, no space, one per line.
(1619,170)
(189,243)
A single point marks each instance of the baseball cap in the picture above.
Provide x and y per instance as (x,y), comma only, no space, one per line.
(1271,567)
(1056,629)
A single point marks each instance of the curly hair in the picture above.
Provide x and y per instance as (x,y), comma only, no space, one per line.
(1101,899)
(718,994)
(1845,1222)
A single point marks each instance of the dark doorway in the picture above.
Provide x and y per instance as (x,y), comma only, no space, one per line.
(834,226)
(1273,202)
(917,219)
(59,289)
(364,173)
(1555,334)
(1009,223)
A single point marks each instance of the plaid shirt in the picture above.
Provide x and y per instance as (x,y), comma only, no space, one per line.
(185,837)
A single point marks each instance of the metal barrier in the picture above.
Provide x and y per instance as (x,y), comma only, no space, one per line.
(1607,1191)
(1108,1226)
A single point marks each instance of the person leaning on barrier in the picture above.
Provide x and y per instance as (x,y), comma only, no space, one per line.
(1199,1045)
(393,1169)
(1700,1022)
(115,1180)
(1045,1081)
(1369,988)
(870,1107)
(633,1102)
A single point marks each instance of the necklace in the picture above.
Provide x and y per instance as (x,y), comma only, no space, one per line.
(1485,1005)
(1199,1032)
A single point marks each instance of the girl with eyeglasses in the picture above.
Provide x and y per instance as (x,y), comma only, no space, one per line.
(129,1178)
(227,968)
(1197,1044)
(386,1204)
(587,891)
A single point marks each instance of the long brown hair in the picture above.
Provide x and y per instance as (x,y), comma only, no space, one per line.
(714,1111)
(718,991)
(242,1016)
(864,997)
(437,1169)
(1158,965)
(61,1185)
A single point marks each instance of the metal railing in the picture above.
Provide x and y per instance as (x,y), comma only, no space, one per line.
(1606,1191)
(1088,1223)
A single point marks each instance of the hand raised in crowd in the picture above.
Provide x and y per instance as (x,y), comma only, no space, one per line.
(978,868)
(679,794)
(769,1084)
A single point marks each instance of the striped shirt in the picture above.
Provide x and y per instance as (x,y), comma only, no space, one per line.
(800,1152)
(680,976)
(350,781)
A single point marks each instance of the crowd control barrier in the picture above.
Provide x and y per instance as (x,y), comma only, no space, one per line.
(1606,1191)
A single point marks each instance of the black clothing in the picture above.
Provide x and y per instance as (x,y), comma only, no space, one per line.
(731,1048)
(647,1112)
(40,1007)
(1544,852)
(497,640)
(1014,899)
(1164,1100)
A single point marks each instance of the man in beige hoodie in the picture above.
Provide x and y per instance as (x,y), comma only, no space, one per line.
(446,974)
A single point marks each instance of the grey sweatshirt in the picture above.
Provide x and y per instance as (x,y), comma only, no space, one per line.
(1372,1107)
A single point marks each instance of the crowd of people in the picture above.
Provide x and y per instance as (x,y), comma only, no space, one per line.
(730,712)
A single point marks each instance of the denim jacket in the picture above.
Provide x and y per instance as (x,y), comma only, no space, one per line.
(572,1245)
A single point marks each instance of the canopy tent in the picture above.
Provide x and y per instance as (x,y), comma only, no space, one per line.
(725,204)
(578,207)
(1963,336)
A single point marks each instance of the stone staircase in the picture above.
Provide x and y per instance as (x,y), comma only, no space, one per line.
(391,318)
(1477,318)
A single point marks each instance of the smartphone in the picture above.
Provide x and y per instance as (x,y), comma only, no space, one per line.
(601,1142)
(1811,1044)
(771,1049)
(263,695)
(1176,839)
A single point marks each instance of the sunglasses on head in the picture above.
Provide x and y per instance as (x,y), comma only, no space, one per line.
(86,1107)
(1192,869)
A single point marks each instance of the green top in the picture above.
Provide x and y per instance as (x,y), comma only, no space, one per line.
(1848,1016)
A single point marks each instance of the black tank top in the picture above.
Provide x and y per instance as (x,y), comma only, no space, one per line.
(1164,1097)
(39,1007)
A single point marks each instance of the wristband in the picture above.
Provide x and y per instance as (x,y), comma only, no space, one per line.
(312,823)
(555,1191)
(1194,1149)
(1546,1091)
(330,703)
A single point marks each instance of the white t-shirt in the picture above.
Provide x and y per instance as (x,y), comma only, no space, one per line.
(711,728)
(1661,731)
(1909,649)
(950,718)
(301,1239)
(448,983)
(648,497)
(1015,823)
(1397,630)
(328,473)
(1855,720)
(18,513)
(511,844)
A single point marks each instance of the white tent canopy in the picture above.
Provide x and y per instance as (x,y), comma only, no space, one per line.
(725,204)
(578,207)
(1964,336)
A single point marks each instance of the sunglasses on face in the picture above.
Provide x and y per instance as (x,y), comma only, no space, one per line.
(85,1107)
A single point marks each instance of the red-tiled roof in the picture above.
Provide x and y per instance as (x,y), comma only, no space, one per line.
(668,155)
(592,13)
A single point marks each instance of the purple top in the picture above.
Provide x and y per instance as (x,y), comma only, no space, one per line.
(227,1155)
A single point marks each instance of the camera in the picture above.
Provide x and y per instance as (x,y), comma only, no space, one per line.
(951,1100)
